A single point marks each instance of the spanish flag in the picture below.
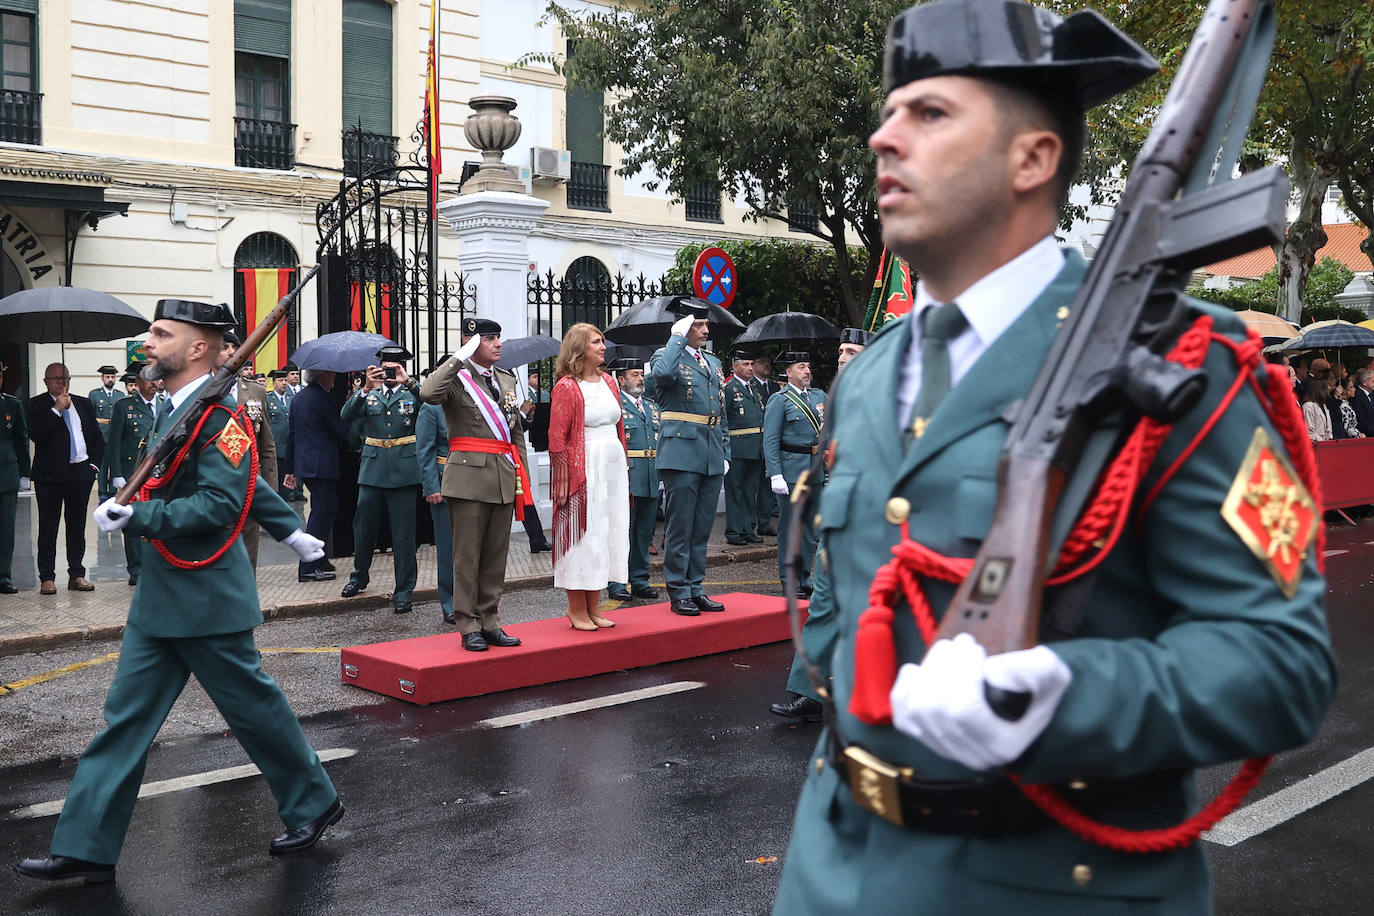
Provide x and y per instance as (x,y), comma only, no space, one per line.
(892,296)
(433,149)
(263,288)
(370,307)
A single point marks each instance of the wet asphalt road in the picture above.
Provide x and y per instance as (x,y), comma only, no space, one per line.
(674,804)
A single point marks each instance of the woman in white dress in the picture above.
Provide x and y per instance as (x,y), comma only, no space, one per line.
(589,478)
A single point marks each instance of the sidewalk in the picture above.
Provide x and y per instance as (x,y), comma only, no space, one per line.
(30,621)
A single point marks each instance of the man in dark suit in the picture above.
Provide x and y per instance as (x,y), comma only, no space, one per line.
(68,447)
(317,435)
(1363,401)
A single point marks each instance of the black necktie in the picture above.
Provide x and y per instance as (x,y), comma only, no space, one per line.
(491,386)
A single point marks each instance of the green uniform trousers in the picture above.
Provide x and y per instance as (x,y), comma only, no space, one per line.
(818,636)
(643,516)
(786,520)
(400,508)
(9,508)
(742,509)
(690,512)
(443,554)
(152,672)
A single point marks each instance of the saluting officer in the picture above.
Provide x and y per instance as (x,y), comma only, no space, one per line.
(693,455)
(387,406)
(642,421)
(1186,649)
(431,452)
(744,403)
(791,438)
(130,428)
(14,477)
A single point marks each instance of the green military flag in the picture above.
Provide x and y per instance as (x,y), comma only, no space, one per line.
(892,296)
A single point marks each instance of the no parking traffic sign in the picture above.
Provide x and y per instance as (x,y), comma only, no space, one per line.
(714,278)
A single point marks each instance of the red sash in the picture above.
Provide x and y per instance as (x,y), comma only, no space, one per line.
(524,495)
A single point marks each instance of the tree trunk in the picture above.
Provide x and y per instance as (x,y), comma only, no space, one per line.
(1305,236)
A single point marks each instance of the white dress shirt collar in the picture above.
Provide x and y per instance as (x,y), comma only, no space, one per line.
(185,391)
(995,301)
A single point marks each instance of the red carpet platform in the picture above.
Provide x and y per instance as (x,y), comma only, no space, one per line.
(432,669)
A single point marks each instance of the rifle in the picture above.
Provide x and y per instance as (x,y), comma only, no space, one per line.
(1179,210)
(210,394)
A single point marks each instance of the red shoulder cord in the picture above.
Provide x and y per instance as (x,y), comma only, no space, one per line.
(1088,544)
(155,483)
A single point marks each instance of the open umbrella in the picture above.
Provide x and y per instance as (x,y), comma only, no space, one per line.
(1334,333)
(648,323)
(67,314)
(1268,325)
(788,328)
(342,351)
(524,350)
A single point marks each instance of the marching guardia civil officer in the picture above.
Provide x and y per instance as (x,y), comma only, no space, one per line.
(186,621)
(431,454)
(1191,648)
(693,455)
(641,418)
(791,438)
(130,428)
(14,477)
(387,404)
(744,403)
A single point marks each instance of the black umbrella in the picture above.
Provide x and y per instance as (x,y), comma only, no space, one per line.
(1332,334)
(524,350)
(342,351)
(648,323)
(67,314)
(788,328)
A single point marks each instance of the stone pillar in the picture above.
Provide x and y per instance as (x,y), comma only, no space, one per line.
(494,229)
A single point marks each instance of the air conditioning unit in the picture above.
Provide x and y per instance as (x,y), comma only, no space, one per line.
(524,175)
(547,165)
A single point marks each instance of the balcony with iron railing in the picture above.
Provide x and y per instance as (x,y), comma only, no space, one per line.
(589,187)
(21,116)
(365,151)
(703,202)
(263,144)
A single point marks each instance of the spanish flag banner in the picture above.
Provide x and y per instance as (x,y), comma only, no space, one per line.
(263,288)
(892,296)
(370,307)
(433,148)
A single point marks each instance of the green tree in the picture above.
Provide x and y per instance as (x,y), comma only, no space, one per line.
(1327,278)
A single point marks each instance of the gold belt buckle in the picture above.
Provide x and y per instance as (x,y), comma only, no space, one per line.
(874,784)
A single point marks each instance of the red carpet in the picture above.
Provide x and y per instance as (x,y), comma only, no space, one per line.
(432,669)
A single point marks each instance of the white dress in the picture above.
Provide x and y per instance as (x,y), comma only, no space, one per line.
(603,553)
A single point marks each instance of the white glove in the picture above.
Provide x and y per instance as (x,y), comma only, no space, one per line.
(682,326)
(940,702)
(23,484)
(727,465)
(307,546)
(661,487)
(118,482)
(779,484)
(109,507)
(466,350)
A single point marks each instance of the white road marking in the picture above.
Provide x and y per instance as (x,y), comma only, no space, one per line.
(165,786)
(1333,553)
(1286,804)
(568,709)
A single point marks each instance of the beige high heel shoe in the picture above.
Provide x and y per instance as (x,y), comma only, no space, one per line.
(576,624)
(603,622)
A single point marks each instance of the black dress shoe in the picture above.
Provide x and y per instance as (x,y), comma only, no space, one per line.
(643,591)
(804,592)
(327,566)
(619,595)
(351,589)
(474,642)
(737,541)
(303,838)
(803,709)
(545,547)
(706,604)
(753,539)
(402,607)
(7,588)
(499,637)
(57,868)
(768,531)
(316,575)
(684,606)
(448,617)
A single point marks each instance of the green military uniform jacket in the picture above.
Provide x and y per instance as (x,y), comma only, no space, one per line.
(130,428)
(14,444)
(1188,653)
(744,414)
(787,422)
(103,402)
(476,476)
(641,434)
(388,420)
(684,386)
(193,514)
(431,447)
(279,415)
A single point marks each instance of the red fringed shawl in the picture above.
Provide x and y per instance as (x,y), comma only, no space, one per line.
(568,460)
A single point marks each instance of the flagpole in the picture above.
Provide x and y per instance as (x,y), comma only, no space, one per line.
(433,202)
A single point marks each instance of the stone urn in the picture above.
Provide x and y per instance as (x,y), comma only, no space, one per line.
(492,129)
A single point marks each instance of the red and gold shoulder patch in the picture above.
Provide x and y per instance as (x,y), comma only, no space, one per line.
(1273,513)
(233,442)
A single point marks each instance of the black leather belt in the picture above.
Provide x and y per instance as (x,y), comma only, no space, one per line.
(799,449)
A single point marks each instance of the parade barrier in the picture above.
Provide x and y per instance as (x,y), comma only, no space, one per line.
(432,669)
(1344,466)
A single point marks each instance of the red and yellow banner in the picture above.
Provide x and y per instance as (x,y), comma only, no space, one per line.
(431,119)
(370,307)
(263,288)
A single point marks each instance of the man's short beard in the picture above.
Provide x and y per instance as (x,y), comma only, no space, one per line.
(634,391)
(163,367)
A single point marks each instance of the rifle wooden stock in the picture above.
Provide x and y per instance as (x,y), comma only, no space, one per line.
(213,390)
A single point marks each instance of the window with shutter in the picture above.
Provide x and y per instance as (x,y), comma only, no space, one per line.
(586,124)
(367,65)
(263,27)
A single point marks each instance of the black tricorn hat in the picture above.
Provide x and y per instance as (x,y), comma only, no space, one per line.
(392,354)
(854,336)
(277,373)
(792,356)
(624,364)
(107,370)
(128,377)
(291,367)
(232,337)
(742,353)
(483,326)
(136,366)
(1083,56)
(204,314)
(682,306)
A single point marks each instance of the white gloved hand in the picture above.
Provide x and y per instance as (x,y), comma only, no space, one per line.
(24,484)
(940,702)
(779,484)
(682,326)
(727,466)
(308,547)
(118,482)
(466,350)
(109,507)
(661,487)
